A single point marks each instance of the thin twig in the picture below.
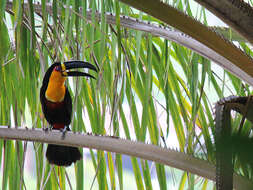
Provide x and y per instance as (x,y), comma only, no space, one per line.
(67,176)
(49,173)
(57,178)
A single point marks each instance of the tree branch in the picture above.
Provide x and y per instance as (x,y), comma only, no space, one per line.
(196,30)
(137,149)
(237,14)
(164,32)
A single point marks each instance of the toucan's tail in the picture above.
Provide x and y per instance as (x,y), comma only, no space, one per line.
(62,155)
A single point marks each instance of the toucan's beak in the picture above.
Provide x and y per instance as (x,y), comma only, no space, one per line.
(74,65)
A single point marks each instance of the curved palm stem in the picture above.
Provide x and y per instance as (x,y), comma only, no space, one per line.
(137,149)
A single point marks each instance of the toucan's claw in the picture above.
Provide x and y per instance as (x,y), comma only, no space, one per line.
(46,129)
(64,131)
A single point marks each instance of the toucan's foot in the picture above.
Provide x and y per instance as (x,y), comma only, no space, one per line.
(46,129)
(64,130)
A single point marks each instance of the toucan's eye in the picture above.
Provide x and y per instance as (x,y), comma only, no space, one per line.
(57,68)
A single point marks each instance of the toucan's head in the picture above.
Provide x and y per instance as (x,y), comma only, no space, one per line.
(56,75)
(62,70)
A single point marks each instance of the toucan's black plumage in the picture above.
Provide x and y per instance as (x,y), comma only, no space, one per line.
(57,107)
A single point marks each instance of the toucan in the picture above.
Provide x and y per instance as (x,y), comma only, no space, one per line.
(56,105)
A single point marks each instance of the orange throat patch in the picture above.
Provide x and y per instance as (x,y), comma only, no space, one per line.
(56,89)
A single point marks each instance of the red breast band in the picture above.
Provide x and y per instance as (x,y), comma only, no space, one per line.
(58,126)
(54,105)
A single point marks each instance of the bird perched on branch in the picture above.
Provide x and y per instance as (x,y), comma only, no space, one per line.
(57,107)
